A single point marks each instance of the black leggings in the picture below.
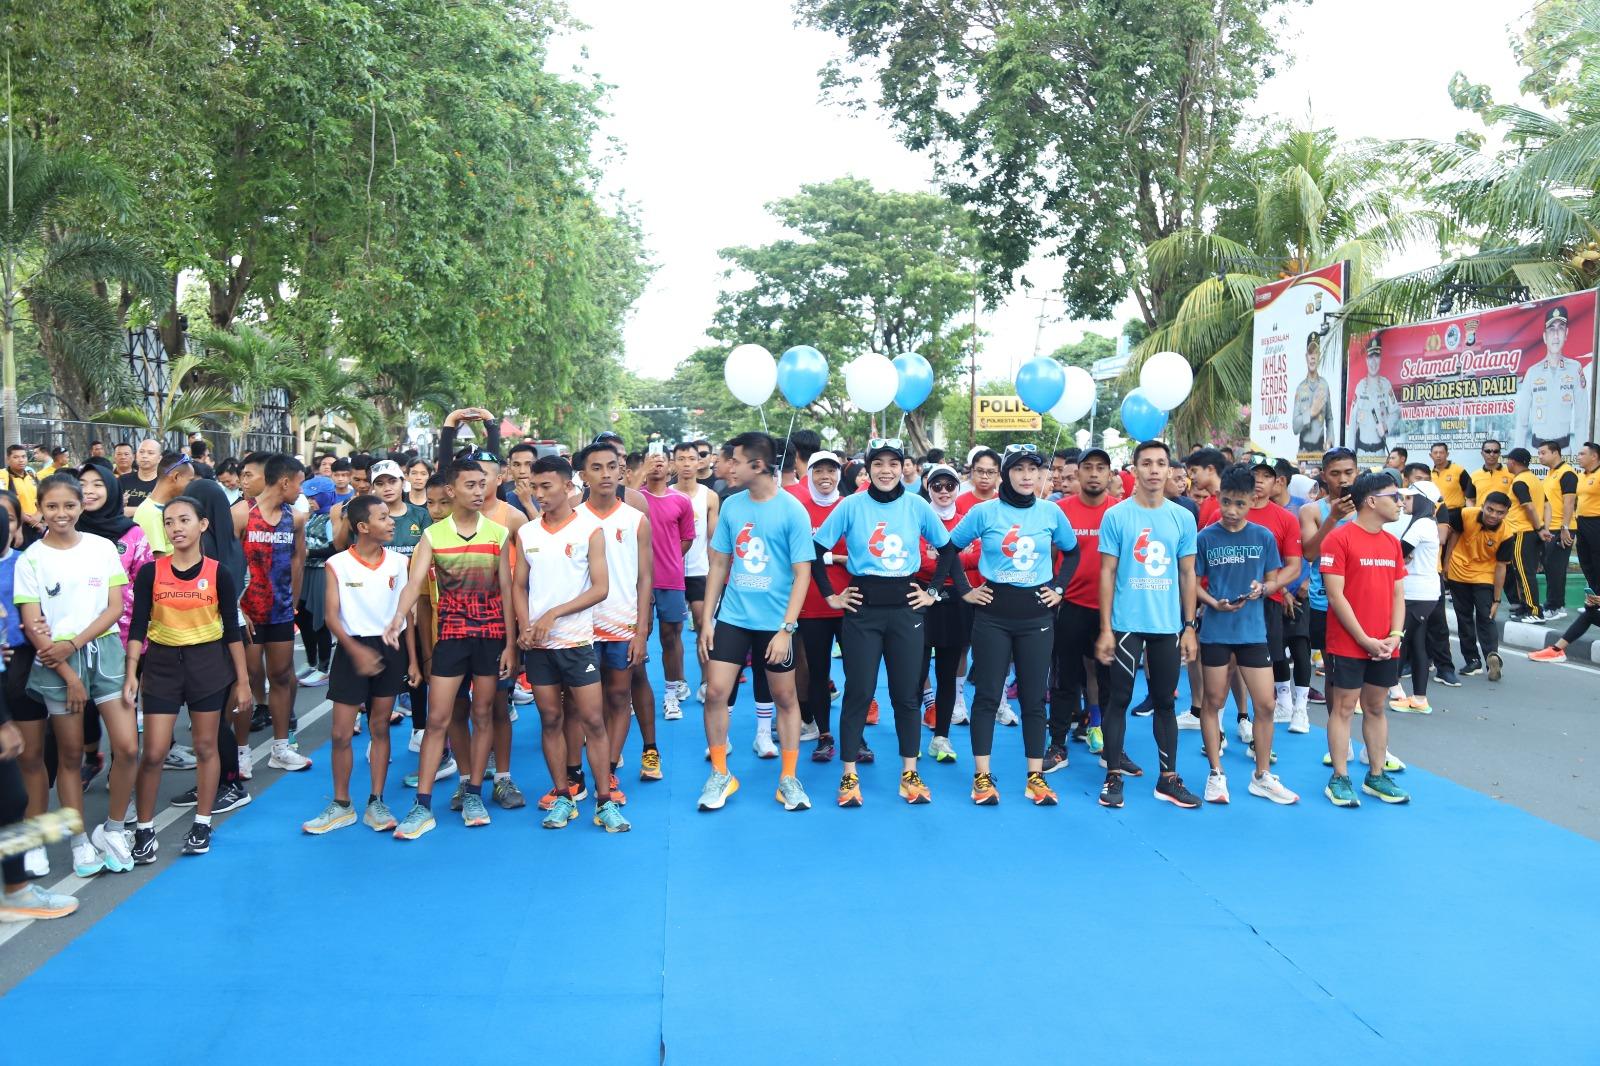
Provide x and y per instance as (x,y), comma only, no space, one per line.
(1414,644)
(893,636)
(318,641)
(1161,668)
(998,641)
(816,637)
(13,805)
(1077,627)
(946,682)
(1300,659)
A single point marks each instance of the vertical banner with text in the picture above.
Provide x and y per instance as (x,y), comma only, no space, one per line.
(1296,370)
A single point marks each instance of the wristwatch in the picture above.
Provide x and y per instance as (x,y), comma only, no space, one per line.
(1193,623)
(1058,590)
(790,627)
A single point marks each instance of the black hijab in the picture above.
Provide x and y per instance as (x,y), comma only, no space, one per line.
(218,541)
(107,520)
(1010,495)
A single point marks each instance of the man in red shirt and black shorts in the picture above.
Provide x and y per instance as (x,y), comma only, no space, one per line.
(1362,570)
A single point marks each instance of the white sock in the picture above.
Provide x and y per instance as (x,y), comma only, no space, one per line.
(145,825)
(764,712)
(280,746)
(1282,690)
(502,776)
(1302,693)
(202,819)
(244,753)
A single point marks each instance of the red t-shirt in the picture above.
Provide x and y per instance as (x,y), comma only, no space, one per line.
(1285,529)
(969,557)
(815,606)
(967,501)
(1210,511)
(1084,588)
(1128,481)
(1371,565)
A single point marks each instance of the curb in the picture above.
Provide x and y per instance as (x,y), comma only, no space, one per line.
(1531,636)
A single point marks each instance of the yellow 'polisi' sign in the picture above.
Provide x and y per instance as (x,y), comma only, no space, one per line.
(1002,414)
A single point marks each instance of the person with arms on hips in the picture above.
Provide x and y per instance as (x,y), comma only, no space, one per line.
(1014,620)
(1553,400)
(559,578)
(821,626)
(471,566)
(1417,530)
(1374,411)
(1147,611)
(1239,566)
(185,650)
(883,609)
(1312,419)
(1363,570)
(672,538)
(1525,525)
(364,584)
(761,556)
(1561,518)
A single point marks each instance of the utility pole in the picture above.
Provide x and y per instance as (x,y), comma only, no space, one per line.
(972,374)
(8,312)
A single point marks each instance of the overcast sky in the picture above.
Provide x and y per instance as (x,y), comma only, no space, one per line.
(717,112)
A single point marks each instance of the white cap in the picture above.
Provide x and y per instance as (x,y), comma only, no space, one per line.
(824,457)
(1424,488)
(386,468)
(1300,485)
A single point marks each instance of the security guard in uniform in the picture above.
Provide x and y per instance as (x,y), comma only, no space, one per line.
(1553,400)
(1492,478)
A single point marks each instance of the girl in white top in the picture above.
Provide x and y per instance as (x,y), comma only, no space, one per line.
(1417,529)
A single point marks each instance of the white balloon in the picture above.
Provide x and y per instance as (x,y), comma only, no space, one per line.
(1166,379)
(871,382)
(1077,398)
(751,374)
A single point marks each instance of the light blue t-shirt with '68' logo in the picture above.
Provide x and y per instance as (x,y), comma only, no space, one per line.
(1148,542)
(765,540)
(881,539)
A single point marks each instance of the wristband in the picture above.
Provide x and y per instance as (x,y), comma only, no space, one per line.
(827,557)
(1397,632)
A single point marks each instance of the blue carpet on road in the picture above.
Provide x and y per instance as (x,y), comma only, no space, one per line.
(1454,930)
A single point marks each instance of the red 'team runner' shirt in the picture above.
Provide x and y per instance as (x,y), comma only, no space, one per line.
(1371,565)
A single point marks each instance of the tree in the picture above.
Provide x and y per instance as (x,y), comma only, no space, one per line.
(1089,130)
(403,386)
(251,362)
(333,390)
(186,405)
(865,271)
(55,264)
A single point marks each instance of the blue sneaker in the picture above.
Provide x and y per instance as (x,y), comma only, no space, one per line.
(563,811)
(1383,787)
(1340,792)
(608,816)
(717,790)
(418,820)
(473,812)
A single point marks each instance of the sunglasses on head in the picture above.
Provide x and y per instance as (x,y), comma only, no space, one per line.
(886,442)
(1026,449)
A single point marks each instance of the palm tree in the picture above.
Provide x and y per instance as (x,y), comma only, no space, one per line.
(332,390)
(1305,204)
(252,362)
(403,386)
(55,268)
(187,402)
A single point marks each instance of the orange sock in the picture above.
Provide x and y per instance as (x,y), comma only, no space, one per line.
(790,760)
(719,758)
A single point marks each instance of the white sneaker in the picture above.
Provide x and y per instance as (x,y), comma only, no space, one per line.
(959,715)
(415,744)
(1391,765)
(247,765)
(1004,715)
(809,731)
(670,711)
(1216,787)
(114,847)
(180,757)
(521,695)
(1283,710)
(727,750)
(941,751)
(36,862)
(447,768)
(1269,787)
(764,747)
(700,695)
(1188,720)
(314,679)
(286,758)
(1349,756)
(1299,721)
(1247,731)
(87,860)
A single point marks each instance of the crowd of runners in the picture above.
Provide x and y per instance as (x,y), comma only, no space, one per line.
(143,584)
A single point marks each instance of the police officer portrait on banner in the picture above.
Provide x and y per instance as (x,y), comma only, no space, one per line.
(1374,410)
(1553,400)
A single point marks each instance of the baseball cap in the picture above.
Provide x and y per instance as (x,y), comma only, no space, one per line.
(320,491)
(1424,488)
(825,457)
(386,468)
(885,446)
(937,470)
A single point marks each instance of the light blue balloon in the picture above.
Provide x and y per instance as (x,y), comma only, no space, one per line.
(916,381)
(1040,383)
(802,375)
(1141,418)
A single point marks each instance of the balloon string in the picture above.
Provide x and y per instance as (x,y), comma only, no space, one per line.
(763,410)
(902,423)
(1057,444)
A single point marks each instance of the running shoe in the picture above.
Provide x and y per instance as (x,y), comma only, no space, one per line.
(459,797)
(650,765)
(87,860)
(1145,708)
(180,757)
(473,812)
(834,695)
(562,811)
(1011,689)
(912,788)
(1039,792)
(488,771)
(1447,678)
(32,903)
(508,795)
(1299,721)
(402,704)
(1554,614)
(1472,669)
(1005,714)
(1111,791)
(1055,758)
(984,794)
(418,820)
(1272,756)
(941,751)
(145,846)
(1547,655)
(825,749)
(809,731)
(1247,731)
(1096,738)
(357,730)
(1340,792)
(115,847)
(93,763)
(717,789)
(1283,709)
(764,747)
(447,768)
(36,863)
(1267,786)
(671,711)
(414,745)
(608,816)
(1188,720)
(850,790)
(186,799)
(1216,787)
(700,694)
(682,690)
(547,802)
(792,795)
(1350,754)
(247,765)
(314,679)
(261,718)
(1412,705)
(521,694)
(230,797)
(959,715)
(1171,789)
(1383,787)
(1496,665)
(872,713)
(1124,766)
(929,710)
(333,816)
(728,749)
(1316,695)
(616,791)
(378,817)
(866,756)
(1391,762)
(287,758)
